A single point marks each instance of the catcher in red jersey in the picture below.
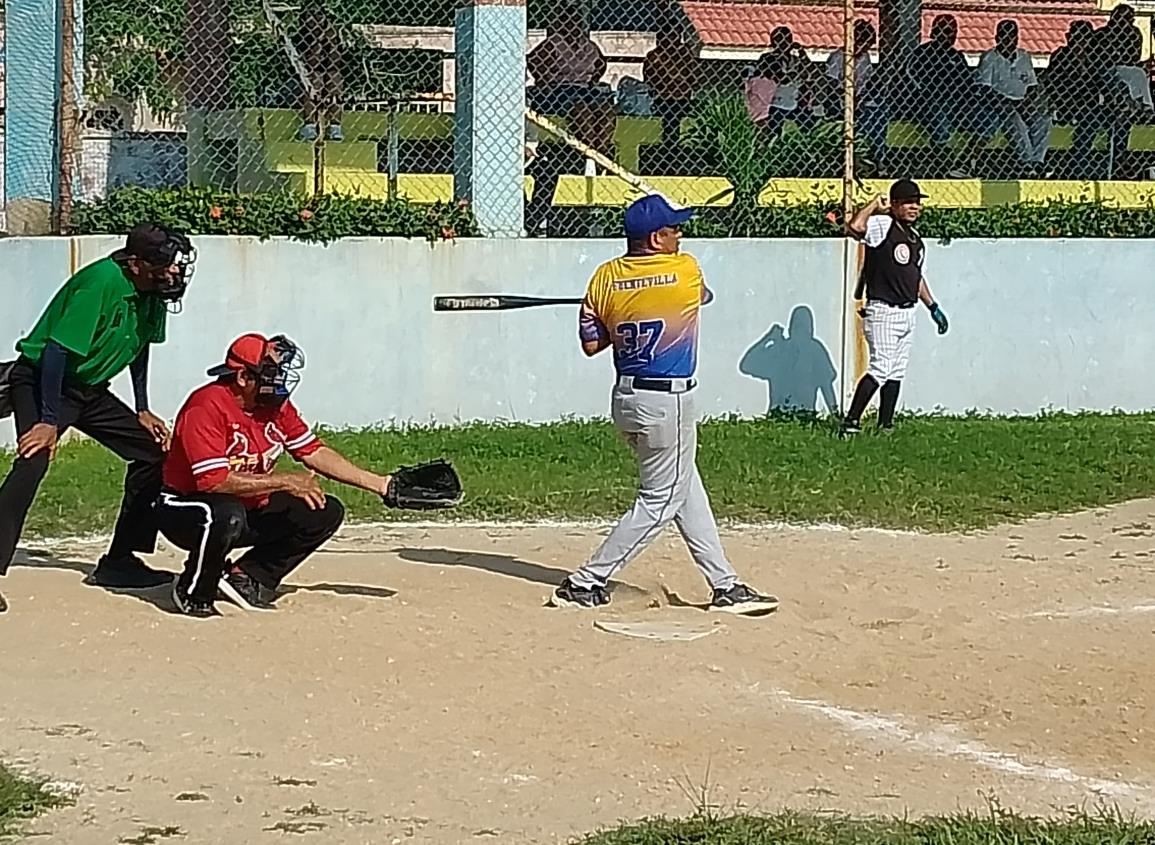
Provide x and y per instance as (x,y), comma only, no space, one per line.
(221,488)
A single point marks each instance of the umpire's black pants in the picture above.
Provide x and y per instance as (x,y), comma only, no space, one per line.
(210,525)
(100,415)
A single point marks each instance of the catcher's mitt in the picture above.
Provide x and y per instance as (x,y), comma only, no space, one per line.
(434,484)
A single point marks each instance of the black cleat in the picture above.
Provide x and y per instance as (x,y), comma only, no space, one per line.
(188,606)
(127,573)
(3,604)
(569,594)
(849,428)
(246,593)
(742,600)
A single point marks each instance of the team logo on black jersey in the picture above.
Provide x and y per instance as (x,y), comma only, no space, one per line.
(902,254)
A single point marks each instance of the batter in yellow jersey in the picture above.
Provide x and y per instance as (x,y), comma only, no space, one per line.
(644,305)
(648,307)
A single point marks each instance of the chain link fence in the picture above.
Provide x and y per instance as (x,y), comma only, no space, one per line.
(712,102)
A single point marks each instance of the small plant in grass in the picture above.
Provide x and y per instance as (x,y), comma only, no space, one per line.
(22,799)
(995,827)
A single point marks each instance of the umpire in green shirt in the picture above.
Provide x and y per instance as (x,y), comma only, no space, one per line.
(101,321)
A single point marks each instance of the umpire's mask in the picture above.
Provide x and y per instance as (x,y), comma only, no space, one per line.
(167,256)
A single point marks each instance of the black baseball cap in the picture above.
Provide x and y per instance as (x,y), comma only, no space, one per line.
(905,189)
(148,242)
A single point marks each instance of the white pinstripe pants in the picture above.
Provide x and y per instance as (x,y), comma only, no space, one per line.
(889,334)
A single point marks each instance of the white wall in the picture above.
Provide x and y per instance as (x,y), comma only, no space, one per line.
(1038,324)
(1033,324)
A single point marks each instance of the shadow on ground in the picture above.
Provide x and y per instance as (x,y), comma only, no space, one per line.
(507,565)
(161,597)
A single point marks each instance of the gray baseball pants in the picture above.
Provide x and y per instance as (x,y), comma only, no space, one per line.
(662,429)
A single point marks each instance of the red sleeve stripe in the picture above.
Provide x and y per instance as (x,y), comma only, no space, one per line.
(304,440)
(202,467)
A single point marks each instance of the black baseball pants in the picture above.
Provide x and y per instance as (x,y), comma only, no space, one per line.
(210,525)
(96,412)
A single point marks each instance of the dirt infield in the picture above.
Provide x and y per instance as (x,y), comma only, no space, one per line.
(413,688)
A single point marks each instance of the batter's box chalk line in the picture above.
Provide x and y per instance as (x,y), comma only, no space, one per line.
(595,524)
(357,530)
(1096,610)
(950,742)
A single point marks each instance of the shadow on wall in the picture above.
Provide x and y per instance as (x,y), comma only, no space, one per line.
(796,367)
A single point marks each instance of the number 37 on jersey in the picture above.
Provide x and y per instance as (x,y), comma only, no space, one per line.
(636,341)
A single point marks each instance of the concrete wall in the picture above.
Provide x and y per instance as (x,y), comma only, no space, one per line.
(148,159)
(1033,324)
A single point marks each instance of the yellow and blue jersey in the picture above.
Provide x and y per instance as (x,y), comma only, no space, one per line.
(647,306)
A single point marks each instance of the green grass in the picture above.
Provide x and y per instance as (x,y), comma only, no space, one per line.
(20,800)
(931,473)
(998,828)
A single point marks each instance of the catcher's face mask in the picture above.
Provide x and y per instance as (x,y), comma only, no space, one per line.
(279,372)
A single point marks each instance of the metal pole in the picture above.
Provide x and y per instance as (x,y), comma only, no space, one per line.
(66,116)
(394,147)
(319,152)
(848,63)
(849,247)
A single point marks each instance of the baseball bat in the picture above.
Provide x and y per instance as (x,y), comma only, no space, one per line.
(497,302)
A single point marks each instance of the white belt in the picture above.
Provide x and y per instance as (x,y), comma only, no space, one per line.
(663,385)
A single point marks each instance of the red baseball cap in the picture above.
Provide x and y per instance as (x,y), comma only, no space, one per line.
(245,353)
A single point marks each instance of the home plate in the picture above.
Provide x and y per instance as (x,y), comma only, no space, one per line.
(678,631)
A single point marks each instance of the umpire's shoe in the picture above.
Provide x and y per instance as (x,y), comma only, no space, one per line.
(127,573)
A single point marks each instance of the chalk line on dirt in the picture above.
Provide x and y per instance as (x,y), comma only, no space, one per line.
(1094,610)
(948,741)
(354,529)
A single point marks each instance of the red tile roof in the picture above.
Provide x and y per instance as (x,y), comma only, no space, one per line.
(748,25)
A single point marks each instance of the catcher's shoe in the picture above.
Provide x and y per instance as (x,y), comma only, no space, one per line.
(569,594)
(246,593)
(188,606)
(741,599)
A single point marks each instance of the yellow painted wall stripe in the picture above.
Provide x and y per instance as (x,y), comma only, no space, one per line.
(861,354)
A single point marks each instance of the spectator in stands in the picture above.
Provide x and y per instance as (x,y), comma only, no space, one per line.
(1118,48)
(1119,41)
(565,65)
(870,110)
(944,83)
(566,68)
(670,70)
(1075,91)
(1012,99)
(761,84)
(321,52)
(787,63)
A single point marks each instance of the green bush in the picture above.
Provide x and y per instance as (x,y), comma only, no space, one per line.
(1023,220)
(205,211)
(324,218)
